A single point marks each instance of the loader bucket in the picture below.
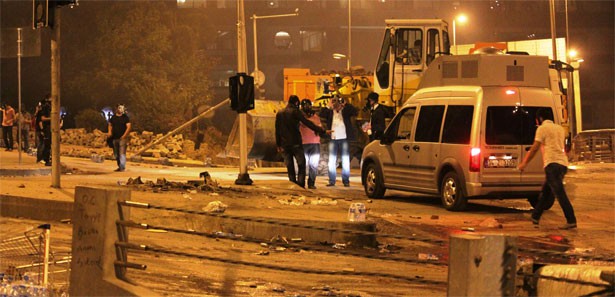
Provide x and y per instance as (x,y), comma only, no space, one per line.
(261,132)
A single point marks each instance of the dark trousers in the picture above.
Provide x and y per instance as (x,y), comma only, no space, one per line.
(552,188)
(46,156)
(7,136)
(40,145)
(292,153)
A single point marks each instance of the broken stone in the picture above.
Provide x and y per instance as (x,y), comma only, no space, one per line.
(215,206)
(435,217)
(21,186)
(490,223)
(135,181)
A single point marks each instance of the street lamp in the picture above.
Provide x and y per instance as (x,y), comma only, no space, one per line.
(461,19)
(258,80)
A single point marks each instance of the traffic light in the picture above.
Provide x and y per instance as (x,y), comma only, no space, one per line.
(60,3)
(40,13)
(43,11)
(241,92)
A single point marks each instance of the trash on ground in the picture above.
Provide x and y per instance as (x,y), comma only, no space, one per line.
(339,246)
(579,250)
(429,257)
(324,201)
(467,229)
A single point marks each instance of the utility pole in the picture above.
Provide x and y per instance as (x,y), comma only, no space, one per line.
(242,67)
(55,100)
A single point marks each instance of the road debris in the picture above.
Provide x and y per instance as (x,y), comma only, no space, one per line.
(470,229)
(339,246)
(215,207)
(491,223)
(428,257)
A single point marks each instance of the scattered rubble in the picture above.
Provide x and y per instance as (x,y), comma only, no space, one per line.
(93,145)
(162,184)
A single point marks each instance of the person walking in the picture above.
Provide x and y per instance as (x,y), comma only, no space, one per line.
(550,138)
(119,127)
(378,115)
(288,138)
(8,120)
(338,117)
(311,142)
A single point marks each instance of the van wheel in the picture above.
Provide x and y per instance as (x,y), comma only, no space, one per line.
(451,193)
(373,181)
(534,201)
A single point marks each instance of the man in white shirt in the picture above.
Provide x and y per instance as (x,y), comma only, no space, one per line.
(550,138)
(338,118)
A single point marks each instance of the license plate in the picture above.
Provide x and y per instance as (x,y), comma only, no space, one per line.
(501,163)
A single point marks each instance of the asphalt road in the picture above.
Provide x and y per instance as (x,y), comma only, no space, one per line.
(591,188)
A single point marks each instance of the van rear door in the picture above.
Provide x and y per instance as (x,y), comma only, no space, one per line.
(503,140)
(533,99)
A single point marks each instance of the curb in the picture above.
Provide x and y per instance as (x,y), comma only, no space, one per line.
(25,172)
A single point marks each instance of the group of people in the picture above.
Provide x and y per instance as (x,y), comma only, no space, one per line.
(40,123)
(299,129)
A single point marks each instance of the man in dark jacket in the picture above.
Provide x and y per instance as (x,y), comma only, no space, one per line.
(288,138)
(338,117)
(378,115)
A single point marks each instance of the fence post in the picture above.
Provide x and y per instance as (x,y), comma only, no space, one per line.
(482,265)
(95,232)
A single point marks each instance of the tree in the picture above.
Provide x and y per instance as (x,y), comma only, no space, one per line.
(142,55)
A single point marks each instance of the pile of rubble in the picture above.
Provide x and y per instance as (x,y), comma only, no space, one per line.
(80,143)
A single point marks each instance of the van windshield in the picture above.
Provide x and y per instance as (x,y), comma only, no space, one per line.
(511,125)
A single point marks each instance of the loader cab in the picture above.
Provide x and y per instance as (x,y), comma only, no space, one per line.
(408,47)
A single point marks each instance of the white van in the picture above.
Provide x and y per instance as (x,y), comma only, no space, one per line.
(462,134)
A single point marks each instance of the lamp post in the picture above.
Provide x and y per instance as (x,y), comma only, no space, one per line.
(257,78)
(349,37)
(575,62)
(461,19)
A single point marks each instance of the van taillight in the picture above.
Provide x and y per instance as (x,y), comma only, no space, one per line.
(475,160)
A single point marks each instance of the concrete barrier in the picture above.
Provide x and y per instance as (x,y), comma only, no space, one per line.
(93,269)
(481,265)
(586,273)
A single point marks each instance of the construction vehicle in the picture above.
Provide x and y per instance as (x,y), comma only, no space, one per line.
(408,48)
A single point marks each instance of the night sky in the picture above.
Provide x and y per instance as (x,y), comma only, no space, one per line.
(590,22)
